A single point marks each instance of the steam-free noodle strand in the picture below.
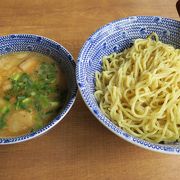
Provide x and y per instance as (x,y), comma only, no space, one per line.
(139,90)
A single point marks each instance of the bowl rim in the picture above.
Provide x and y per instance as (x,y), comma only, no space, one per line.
(160,148)
(61,114)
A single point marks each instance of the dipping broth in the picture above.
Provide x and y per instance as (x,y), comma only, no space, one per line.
(33,90)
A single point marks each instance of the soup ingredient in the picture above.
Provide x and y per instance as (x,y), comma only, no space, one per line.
(28,65)
(4,112)
(32,93)
(139,90)
(20,121)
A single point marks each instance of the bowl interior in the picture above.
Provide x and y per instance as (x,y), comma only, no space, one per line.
(115,37)
(27,42)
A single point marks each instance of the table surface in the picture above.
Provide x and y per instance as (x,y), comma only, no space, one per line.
(79,147)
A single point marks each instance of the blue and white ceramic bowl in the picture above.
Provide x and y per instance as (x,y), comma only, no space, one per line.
(35,43)
(115,37)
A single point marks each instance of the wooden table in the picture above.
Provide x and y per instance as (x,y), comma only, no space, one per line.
(79,147)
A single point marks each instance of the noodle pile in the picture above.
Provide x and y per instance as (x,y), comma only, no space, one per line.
(139,90)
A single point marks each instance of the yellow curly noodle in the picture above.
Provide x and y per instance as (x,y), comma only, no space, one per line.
(139,90)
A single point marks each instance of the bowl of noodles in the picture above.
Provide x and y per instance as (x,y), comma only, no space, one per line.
(128,73)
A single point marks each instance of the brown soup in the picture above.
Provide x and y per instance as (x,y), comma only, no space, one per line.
(33,90)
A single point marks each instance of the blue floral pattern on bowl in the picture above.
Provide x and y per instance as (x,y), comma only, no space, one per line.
(29,42)
(115,37)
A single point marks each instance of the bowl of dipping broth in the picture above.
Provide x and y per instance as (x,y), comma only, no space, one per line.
(128,75)
(38,86)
